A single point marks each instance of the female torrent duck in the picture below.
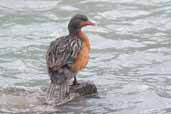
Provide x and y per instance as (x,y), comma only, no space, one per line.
(67,55)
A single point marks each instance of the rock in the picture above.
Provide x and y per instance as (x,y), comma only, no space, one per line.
(84,88)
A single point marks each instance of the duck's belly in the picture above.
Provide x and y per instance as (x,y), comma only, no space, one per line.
(81,60)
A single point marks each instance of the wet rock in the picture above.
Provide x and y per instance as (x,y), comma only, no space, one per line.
(84,88)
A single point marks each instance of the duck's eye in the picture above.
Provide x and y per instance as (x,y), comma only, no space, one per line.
(84,18)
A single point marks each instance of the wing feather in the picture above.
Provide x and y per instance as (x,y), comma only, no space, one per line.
(63,51)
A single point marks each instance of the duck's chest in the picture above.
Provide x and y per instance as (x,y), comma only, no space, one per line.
(83,57)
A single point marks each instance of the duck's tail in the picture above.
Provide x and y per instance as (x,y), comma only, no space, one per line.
(58,91)
(59,87)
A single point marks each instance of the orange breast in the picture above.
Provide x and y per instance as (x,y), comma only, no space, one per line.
(83,57)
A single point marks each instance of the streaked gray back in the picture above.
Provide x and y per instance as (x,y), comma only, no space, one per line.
(63,51)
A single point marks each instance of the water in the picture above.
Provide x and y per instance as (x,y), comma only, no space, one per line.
(130,58)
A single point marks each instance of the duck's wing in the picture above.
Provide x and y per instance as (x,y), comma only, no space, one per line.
(63,51)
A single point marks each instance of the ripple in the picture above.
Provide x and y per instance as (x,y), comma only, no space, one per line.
(25,101)
(68,8)
(99,42)
(123,14)
(22,5)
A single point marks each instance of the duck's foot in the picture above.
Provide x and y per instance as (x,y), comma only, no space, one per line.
(75,82)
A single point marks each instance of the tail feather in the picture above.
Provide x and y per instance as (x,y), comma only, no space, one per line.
(51,91)
(59,91)
(59,86)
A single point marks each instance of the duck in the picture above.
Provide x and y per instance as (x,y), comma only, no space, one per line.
(67,55)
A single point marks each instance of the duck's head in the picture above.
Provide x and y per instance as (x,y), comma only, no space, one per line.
(77,22)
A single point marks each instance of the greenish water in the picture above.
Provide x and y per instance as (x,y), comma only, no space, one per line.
(130,58)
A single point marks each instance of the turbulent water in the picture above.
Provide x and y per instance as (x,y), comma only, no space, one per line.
(130,59)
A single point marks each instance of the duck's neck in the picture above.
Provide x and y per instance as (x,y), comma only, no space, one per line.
(84,39)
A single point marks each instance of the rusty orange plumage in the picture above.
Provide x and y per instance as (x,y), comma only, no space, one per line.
(67,55)
(83,56)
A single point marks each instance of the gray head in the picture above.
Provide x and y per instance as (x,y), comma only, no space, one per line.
(77,22)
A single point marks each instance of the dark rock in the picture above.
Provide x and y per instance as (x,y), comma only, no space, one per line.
(84,88)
